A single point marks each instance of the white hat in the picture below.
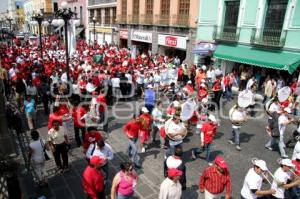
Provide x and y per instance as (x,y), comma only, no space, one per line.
(203,67)
(202,80)
(212,118)
(298,156)
(202,85)
(149,86)
(287,162)
(145,110)
(287,109)
(204,100)
(189,82)
(176,104)
(261,164)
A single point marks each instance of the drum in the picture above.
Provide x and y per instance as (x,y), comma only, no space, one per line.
(171,128)
(231,112)
(284,93)
(267,107)
(245,98)
(188,108)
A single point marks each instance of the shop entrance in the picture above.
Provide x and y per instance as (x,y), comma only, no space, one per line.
(172,52)
(123,43)
(142,47)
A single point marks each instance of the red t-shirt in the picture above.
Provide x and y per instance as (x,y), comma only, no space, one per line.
(209,131)
(132,129)
(77,113)
(297,167)
(53,117)
(102,103)
(145,122)
(92,182)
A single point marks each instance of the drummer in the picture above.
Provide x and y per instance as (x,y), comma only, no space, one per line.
(253,182)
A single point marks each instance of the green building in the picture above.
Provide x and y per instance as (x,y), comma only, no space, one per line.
(256,34)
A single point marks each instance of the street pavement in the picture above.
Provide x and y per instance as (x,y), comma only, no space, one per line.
(68,185)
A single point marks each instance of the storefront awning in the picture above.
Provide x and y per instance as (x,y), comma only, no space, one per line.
(280,60)
(204,48)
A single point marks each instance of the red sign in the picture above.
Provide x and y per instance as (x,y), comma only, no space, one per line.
(123,34)
(171,41)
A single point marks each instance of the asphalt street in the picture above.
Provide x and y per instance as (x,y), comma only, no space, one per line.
(253,139)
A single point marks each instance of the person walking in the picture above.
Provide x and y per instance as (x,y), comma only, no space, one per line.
(91,137)
(158,122)
(215,179)
(93,179)
(170,188)
(37,158)
(79,125)
(30,110)
(58,141)
(145,127)
(124,182)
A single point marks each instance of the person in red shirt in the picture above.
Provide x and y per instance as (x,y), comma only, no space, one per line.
(55,115)
(91,137)
(215,179)
(217,89)
(145,127)
(79,125)
(132,129)
(189,87)
(93,179)
(208,132)
(101,100)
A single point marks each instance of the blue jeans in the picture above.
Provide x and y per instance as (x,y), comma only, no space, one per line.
(206,148)
(296,192)
(235,137)
(228,93)
(170,151)
(120,196)
(132,152)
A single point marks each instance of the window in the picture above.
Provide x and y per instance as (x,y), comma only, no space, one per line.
(149,7)
(114,15)
(98,16)
(275,14)
(184,7)
(136,7)
(107,16)
(124,7)
(165,7)
(231,13)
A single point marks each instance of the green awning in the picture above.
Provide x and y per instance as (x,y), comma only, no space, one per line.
(280,60)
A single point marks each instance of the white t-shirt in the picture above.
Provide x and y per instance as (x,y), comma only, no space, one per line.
(281,120)
(281,176)
(173,163)
(237,116)
(115,82)
(296,150)
(37,151)
(252,181)
(157,115)
(31,90)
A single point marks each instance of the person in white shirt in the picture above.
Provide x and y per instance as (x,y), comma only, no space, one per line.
(170,188)
(115,82)
(239,116)
(102,150)
(282,176)
(253,181)
(296,148)
(283,121)
(31,90)
(158,122)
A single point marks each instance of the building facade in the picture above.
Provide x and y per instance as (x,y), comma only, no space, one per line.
(101,21)
(80,7)
(28,11)
(263,33)
(159,26)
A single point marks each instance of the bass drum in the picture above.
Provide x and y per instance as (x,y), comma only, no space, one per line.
(267,107)
(231,111)
(171,128)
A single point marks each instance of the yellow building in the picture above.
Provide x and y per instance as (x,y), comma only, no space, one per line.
(19,18)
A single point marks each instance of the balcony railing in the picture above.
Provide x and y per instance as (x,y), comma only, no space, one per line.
(122,19)
(180,20)
(268,37)
(133,19)
(163,20)
(147,19)
(229,34)
(96,2)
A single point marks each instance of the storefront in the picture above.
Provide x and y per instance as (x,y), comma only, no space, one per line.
(102,35)
(172,46)
(142,41)
(203,52)
(123,34)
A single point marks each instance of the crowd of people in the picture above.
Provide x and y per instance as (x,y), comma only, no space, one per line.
(178,99)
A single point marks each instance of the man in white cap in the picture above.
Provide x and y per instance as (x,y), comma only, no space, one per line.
(283,121)
(253,181)
(282,177)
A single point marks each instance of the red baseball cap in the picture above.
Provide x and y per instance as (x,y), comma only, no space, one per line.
(174,172)
(96,160)
(220,161)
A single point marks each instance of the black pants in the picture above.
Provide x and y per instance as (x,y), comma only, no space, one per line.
(77,137)
(217,97)
(100,195)
(45,100)
(61,152)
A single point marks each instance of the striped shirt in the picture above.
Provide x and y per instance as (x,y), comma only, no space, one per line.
(215,182)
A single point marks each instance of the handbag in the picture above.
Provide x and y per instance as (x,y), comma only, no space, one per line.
(47,155)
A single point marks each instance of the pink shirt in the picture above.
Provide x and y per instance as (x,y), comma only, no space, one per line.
(125,186)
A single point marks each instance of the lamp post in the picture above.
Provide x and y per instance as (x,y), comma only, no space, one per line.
(39,19)
(65,14)
(94,30)
(10,20)
(50,27)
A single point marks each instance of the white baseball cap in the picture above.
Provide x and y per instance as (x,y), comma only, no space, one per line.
(212,118)
(145,110)
(287,109)
(189,82)
(261,164)
(149,86)
(176,104)
(203,67)
(287,162)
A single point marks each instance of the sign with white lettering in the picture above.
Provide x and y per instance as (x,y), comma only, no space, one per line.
(141,36)
(172,41)
(123,34)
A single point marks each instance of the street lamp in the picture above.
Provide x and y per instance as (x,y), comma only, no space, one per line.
(64,15)
(39,17)
(10,20)
(94,22)
(50,27)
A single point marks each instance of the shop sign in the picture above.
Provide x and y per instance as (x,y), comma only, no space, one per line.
(172,41)
(103,30)
(123,34)
(141,36)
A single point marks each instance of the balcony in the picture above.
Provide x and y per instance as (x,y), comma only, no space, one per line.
(180,20)
(162,20)
(268,37)
(96,2)
(133,19)
(228,34)
(147,19)
(122,19)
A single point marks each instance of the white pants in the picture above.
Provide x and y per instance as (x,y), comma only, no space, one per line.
(39,169)
(208,195)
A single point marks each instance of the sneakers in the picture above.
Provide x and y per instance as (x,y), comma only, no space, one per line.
(143,150)
(193,156)
(230,142)
(269,148)
(238,148)
(210,163)
(284,156)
